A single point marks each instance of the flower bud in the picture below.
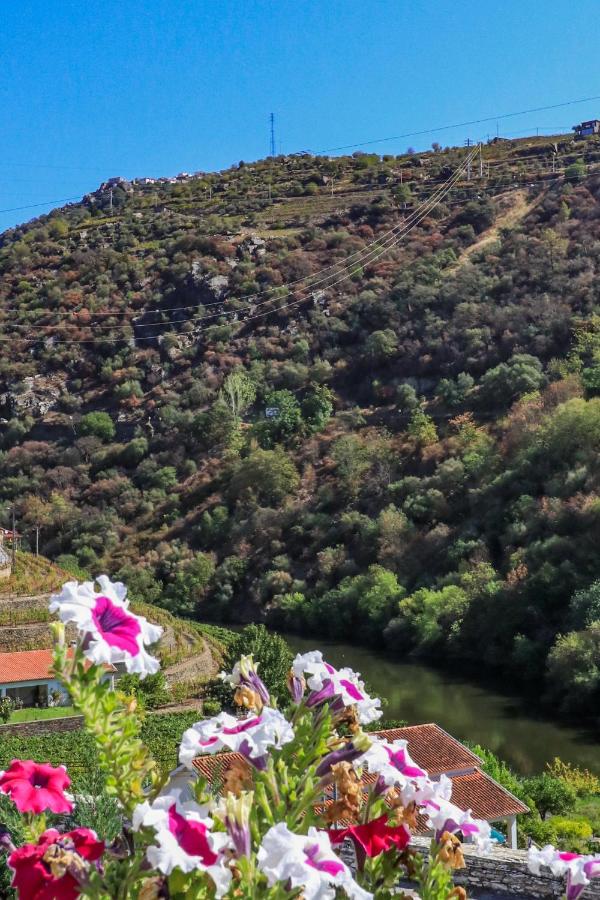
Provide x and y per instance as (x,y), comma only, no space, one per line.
(296,686)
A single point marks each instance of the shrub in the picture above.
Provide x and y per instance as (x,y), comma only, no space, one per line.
(97,424)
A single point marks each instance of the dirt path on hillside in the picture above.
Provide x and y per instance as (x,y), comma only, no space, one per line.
(508,219)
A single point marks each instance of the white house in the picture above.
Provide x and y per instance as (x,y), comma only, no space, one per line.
(25,676)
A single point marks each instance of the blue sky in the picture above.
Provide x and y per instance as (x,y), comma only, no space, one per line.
(90,90)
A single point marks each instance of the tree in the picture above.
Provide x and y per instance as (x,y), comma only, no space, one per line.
(500,386)
(575,171)
(381,345)
(238,391)
(351,458)
(422,427)
(573,673)
(584,607)
(317,408)
(550,795)
(152,691)
(190,584)
(97,424)
(266,475)
(284,422)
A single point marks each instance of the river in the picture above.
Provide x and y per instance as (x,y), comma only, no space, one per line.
(417,693)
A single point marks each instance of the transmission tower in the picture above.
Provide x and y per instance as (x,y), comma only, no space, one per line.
(272,134)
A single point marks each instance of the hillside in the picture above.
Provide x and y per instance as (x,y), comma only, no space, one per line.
(188,651)
(225,392)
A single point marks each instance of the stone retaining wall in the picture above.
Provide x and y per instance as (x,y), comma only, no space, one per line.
(42,726)
(505,871)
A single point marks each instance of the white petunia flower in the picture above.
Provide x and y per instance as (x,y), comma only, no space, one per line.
(252,737)
(579,869)
(306,861)
(391,761)
(338,687)
(446,816)
(184,839)
(111,632)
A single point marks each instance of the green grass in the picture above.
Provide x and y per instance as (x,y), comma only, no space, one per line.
(34,714)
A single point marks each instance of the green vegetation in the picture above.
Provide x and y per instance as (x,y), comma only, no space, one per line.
(161,733)
(563,801)
(408,458)
(35,714)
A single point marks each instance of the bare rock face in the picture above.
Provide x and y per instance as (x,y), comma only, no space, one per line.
(252,245)
(35,395)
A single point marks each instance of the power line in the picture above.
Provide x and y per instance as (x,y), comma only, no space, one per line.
(419,214)
(358,255)
(43,203)
(361,255)
(510,115)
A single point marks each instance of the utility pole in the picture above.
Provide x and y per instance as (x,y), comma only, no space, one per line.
(468,143)
(37,540)
(111,203)
(14,541)
(272,134)
(480,161)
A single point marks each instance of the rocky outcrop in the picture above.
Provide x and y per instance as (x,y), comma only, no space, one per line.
(35,395)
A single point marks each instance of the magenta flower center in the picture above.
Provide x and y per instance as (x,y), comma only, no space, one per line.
(38,779)
(331,866)
(116,626)
(191,837)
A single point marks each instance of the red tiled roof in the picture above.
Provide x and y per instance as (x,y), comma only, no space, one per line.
(214,768)
(436,751)
(25,665)
(475,791)
(485,797)
(28,665)
(432,748)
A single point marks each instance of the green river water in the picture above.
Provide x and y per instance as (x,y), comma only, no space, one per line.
(417,693)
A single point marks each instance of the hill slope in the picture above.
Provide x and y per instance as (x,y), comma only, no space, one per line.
(406,453)
(187,650)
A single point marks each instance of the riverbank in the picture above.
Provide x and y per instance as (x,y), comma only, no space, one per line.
(415,692)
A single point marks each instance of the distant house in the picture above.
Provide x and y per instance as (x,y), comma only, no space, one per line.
(5,558)
(25,676)
(586,128)
(432,748)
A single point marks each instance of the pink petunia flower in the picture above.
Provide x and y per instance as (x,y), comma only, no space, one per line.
(48,870)
(111,632)
(372,838)
(36,787)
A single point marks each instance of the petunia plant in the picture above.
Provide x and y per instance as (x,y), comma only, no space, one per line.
(311,806)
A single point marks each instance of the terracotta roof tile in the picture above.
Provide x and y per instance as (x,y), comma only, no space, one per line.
(432,748)
(485,797)
(28,665)
(214,768)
